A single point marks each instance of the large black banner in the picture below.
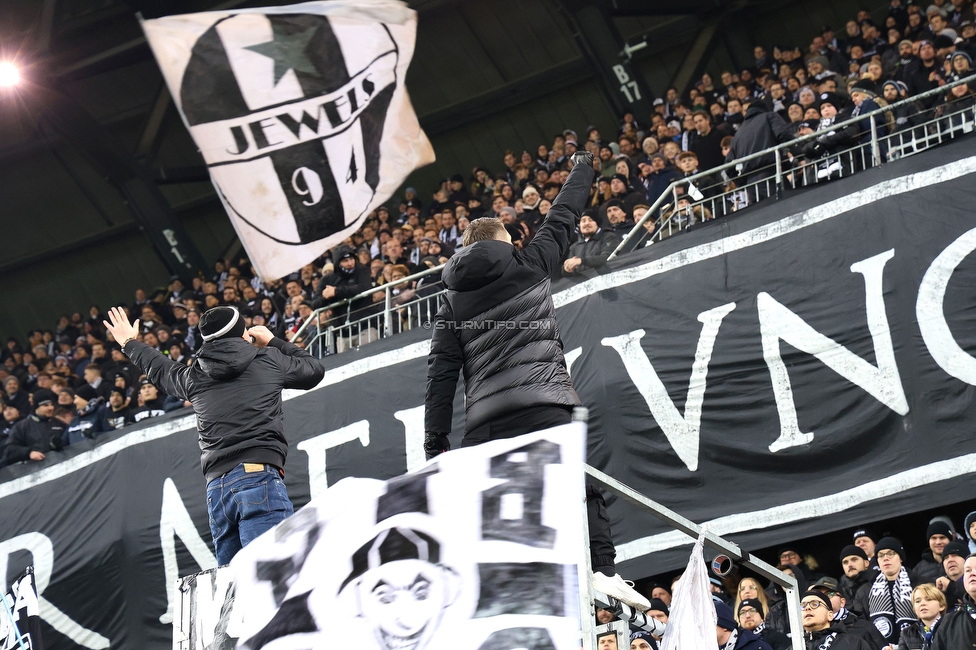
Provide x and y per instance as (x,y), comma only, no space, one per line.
(804,367)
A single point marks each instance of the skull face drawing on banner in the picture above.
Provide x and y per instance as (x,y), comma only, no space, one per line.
(400,587)
(288,111)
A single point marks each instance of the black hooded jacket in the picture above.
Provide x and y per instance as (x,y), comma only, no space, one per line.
(760,130)
(235,389)
(505,368)
(842,639)
(33,433)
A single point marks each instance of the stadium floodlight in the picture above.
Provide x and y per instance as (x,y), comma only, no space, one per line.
(9,74)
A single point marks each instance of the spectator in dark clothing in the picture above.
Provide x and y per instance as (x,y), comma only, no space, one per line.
(953,565)
(856,625)
(618,219)
(857,579)
(732,637)
(11,416)
(14,395)
(929,605)
(660,178)
(760,130)
(89,417)
(36,435)
(751,617)
(890,595)
(153,404)
(349,279)
(820,630)
(490,280)
(708,144)
(235,388)
(590,251)
(929,568)
(116,412)
(958,628)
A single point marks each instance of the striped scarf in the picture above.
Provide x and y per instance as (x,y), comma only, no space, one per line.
(891,604)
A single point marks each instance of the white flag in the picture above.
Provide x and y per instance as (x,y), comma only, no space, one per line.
(301,114)
(693,619)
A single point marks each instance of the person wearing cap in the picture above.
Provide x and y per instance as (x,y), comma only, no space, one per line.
(760,130)
(751,616)
(821,631)
(859,626)
(890,595)
(89,417)
(151,403)
(459,194)
(894,92)
(929,568)
(732,637)
(11,416)
(953,565)
(32,438)
(116,412)
(348,279)
(642,639)
(958,628)
(235,390)
(589,253)
(857,578)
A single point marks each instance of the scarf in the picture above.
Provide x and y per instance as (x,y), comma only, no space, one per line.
(891,604)
(733,639)
(826,640)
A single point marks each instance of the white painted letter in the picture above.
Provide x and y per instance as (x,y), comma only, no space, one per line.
(682,432)
(883,382)
(571,358)
(930,312)
(316,447)
(413,436)
(175,521)
(42,554)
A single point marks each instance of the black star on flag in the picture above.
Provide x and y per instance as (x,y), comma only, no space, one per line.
(287,50)
(299,162)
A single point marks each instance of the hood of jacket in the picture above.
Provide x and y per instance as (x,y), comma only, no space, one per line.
(477,265)
(225,359)
(756,108)
(970,518)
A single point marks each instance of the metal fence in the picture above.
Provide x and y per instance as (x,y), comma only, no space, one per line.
(723,190)
(412,302)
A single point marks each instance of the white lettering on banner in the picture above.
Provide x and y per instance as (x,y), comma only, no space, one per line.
(930,311)
(42,557)
(316,447)
(413,436)
(175,521)
(883,382)
(571,358)
(682,431)
(257,134)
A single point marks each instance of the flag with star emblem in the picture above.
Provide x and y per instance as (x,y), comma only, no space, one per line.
(301,115)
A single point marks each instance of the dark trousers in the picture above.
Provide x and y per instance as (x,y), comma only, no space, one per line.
(517,423)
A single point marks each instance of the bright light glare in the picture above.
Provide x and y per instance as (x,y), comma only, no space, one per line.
(9,74)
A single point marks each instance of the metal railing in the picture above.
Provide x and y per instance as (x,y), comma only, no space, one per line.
(368,317)
(797,171)
(373,314)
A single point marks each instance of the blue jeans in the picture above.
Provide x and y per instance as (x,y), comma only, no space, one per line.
(243,505)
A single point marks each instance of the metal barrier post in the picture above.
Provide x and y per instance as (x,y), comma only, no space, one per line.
(779,177)
(387,325)
(875,151)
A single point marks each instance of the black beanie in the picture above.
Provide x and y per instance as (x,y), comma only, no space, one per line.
(86,392)
(890,544)
(42,396)
(938,527)
(955,548)
(659,605)
(755,603)
(221,322)
(850,550)
(822,596)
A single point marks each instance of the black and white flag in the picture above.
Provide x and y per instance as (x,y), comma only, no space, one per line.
(301,114)
(20,619)
(479,549)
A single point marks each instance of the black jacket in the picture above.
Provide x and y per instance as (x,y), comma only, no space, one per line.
(235,389)
(842,639)
(346,286)
(862,627)
(775,639)
(928,569)
(33,433)
(760,130)
(504,369)
(913,637)
(957,629)
(858,602)
(749,641)
(152,409)
(594,252)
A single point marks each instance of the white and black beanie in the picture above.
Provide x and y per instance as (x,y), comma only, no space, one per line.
(221,322)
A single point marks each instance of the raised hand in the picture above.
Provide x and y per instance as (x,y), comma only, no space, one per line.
(119,327)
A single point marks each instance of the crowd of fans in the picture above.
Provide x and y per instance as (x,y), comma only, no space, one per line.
(71,383)
(881,601)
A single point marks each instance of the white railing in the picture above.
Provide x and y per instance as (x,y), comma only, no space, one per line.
(792,169)
(368,317)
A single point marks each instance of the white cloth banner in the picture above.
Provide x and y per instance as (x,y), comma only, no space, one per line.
(692,621)
(479,549)
(20,621)
(301,115)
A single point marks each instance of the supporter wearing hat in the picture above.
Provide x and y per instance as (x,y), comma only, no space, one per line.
(89,419)
(858,575)
(641,639)
(732,637)
(858,626)
(752,617)
(33,437)
(953,564)
(890,601)
(866,540)
(929,568)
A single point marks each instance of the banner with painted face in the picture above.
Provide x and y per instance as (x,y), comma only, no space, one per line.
(301,114)
(480,549)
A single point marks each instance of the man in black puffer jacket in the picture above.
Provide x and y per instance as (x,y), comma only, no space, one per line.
(497,323)
(235,389)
